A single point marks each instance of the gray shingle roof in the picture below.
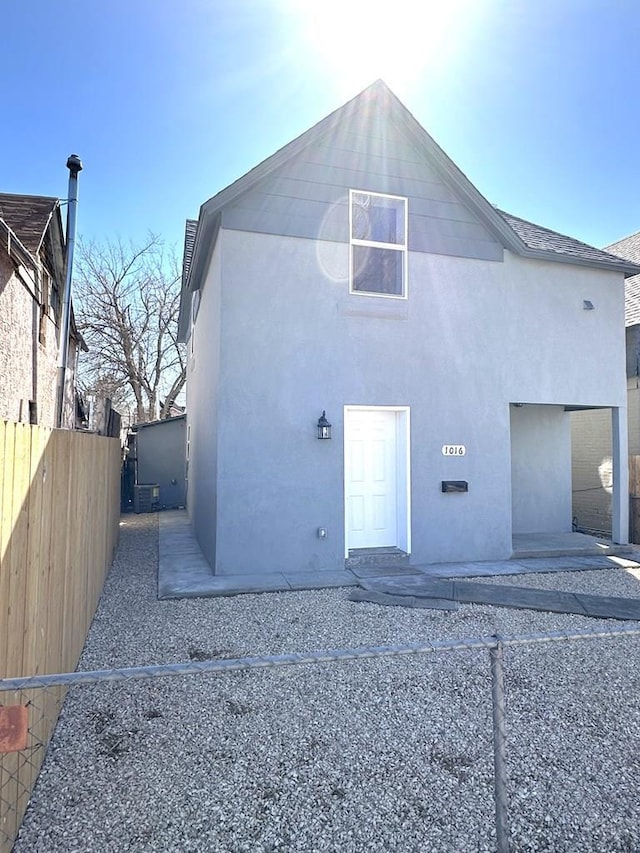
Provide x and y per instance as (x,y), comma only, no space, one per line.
(629,248)
(544,239)
(28,217)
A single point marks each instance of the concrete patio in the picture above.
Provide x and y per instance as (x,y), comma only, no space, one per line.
(183,571)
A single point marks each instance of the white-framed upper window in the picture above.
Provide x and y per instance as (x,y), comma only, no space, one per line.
(378,244)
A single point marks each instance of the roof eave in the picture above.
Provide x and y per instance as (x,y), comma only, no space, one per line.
(282,155)
(55,209)
(58,241)
(205,240)
(14,243)
(466,189)
(159,422)
(628,269)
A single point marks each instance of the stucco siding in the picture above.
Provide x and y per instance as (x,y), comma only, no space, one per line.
(308,197)
(472,338)
(203,378)
(557,351)
(541,469)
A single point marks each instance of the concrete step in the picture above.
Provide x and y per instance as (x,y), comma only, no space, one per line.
(376,558)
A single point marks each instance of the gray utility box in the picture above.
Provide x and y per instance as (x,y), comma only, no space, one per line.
(146,498)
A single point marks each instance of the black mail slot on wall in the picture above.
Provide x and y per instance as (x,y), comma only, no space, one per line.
(455,486)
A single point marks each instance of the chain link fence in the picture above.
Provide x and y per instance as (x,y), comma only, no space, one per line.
(24,735)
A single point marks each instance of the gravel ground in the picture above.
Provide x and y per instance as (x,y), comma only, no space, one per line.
(381,755)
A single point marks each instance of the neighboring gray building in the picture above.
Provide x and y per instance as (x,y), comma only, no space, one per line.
(157,451)
(358,272)
(591,430)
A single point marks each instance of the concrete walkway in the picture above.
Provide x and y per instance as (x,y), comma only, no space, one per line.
(441,593)
(183,572)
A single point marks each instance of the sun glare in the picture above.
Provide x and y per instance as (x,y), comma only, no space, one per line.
(358,41)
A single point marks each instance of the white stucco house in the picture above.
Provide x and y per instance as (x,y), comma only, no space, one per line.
(357,273)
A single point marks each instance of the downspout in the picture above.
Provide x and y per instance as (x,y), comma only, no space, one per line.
(74,165)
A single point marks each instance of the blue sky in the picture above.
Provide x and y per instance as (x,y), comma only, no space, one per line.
(168,102)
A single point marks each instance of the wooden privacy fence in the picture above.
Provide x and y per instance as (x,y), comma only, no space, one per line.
(59,516)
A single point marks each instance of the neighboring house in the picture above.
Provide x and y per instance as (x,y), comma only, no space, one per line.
(358,273)
(32,275)
(174,410)
(591,431)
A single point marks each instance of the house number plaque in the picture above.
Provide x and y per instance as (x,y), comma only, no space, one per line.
(453,450)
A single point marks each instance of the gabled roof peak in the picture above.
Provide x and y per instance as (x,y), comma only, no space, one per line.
(514,234)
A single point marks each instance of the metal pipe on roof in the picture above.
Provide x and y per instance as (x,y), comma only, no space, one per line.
(74,164)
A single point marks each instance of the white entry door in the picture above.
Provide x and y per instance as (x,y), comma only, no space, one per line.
(371,493)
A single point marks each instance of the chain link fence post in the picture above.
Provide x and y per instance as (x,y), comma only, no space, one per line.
(499,747)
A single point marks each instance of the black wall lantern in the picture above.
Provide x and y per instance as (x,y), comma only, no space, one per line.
(324,427)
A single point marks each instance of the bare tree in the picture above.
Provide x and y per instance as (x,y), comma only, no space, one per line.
(127,299)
